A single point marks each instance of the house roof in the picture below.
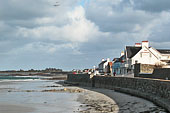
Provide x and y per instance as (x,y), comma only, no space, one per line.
(164,51)
(132,51)
(122,57)
(118,59)
(103,62)
(115,59)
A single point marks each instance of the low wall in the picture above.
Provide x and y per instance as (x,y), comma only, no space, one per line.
(143,68)
(82,79)
(150,71)
(161,73)
(157,91)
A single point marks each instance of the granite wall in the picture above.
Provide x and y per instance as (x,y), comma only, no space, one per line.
(149,71)
(81,79)
(143,68)
(161,73)
(157,91)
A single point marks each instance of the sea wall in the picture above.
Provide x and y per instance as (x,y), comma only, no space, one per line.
(81,79)
(161,73)
(157,91)
(143,68)
(158,73)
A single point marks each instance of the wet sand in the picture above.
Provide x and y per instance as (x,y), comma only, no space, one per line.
(97,100)
(9,108)
(37,96)
(94,102)
(31,97)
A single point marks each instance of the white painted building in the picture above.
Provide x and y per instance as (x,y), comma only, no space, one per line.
(103,66)
(142,53)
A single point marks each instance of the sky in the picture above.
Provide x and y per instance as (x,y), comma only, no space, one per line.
(77,34)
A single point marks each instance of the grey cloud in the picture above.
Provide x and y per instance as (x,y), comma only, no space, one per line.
(161,33)
(28,13)
(152,5)
(40,35)
(22,9)
(111,19)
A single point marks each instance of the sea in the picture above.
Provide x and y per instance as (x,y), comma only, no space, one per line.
(25,91)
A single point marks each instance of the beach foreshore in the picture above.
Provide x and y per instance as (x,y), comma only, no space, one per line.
(91,100)
(13,108)
(97,100)
(37,96)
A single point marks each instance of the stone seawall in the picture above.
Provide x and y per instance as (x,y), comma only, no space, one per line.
(81,79)
(162,73)
(157,91)
(159,73)
(151,71)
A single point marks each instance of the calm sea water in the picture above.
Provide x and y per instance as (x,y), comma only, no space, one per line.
(11,92)
(19,77)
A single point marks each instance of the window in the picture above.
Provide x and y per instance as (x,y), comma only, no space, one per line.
(150,55)
(136,61)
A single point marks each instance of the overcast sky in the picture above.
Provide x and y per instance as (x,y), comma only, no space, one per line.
(78,33)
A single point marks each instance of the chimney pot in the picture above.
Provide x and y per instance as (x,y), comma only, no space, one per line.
(145,44)
(138,44)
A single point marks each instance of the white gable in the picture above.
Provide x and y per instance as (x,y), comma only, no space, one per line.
(159,55)
(145,56)
(155,52)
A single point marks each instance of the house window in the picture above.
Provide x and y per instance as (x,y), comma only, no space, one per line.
(150,55)
(136,61)
(140,54)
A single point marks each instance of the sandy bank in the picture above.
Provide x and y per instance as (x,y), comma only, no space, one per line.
(97,100)
(9,108)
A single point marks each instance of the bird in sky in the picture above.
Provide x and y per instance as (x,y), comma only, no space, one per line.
(57,4)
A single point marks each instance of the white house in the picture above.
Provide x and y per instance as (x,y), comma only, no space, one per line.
(142,53)
(103,66)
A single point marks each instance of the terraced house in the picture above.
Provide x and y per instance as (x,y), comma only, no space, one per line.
(144,54)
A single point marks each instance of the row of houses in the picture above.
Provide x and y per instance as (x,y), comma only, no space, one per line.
(141,53)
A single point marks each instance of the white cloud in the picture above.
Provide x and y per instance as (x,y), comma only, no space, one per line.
(74,33)
(160,31)
(46,48)
(79,29)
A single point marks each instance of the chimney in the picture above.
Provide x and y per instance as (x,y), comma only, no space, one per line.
(108,59)
(122,53)
(145,44)
(138,44)
(103,59)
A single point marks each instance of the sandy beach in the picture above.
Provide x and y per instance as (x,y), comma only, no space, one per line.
(47,96)
(97,100)
(11,108)
(37,96)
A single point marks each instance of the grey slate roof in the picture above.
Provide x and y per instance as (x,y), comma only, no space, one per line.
(164,51)
(118,59)
(103,62)
(132,51)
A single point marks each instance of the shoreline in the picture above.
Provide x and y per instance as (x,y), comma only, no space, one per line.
(15,108)
(88,100)
(98,100)
(95,102)
(37,96)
